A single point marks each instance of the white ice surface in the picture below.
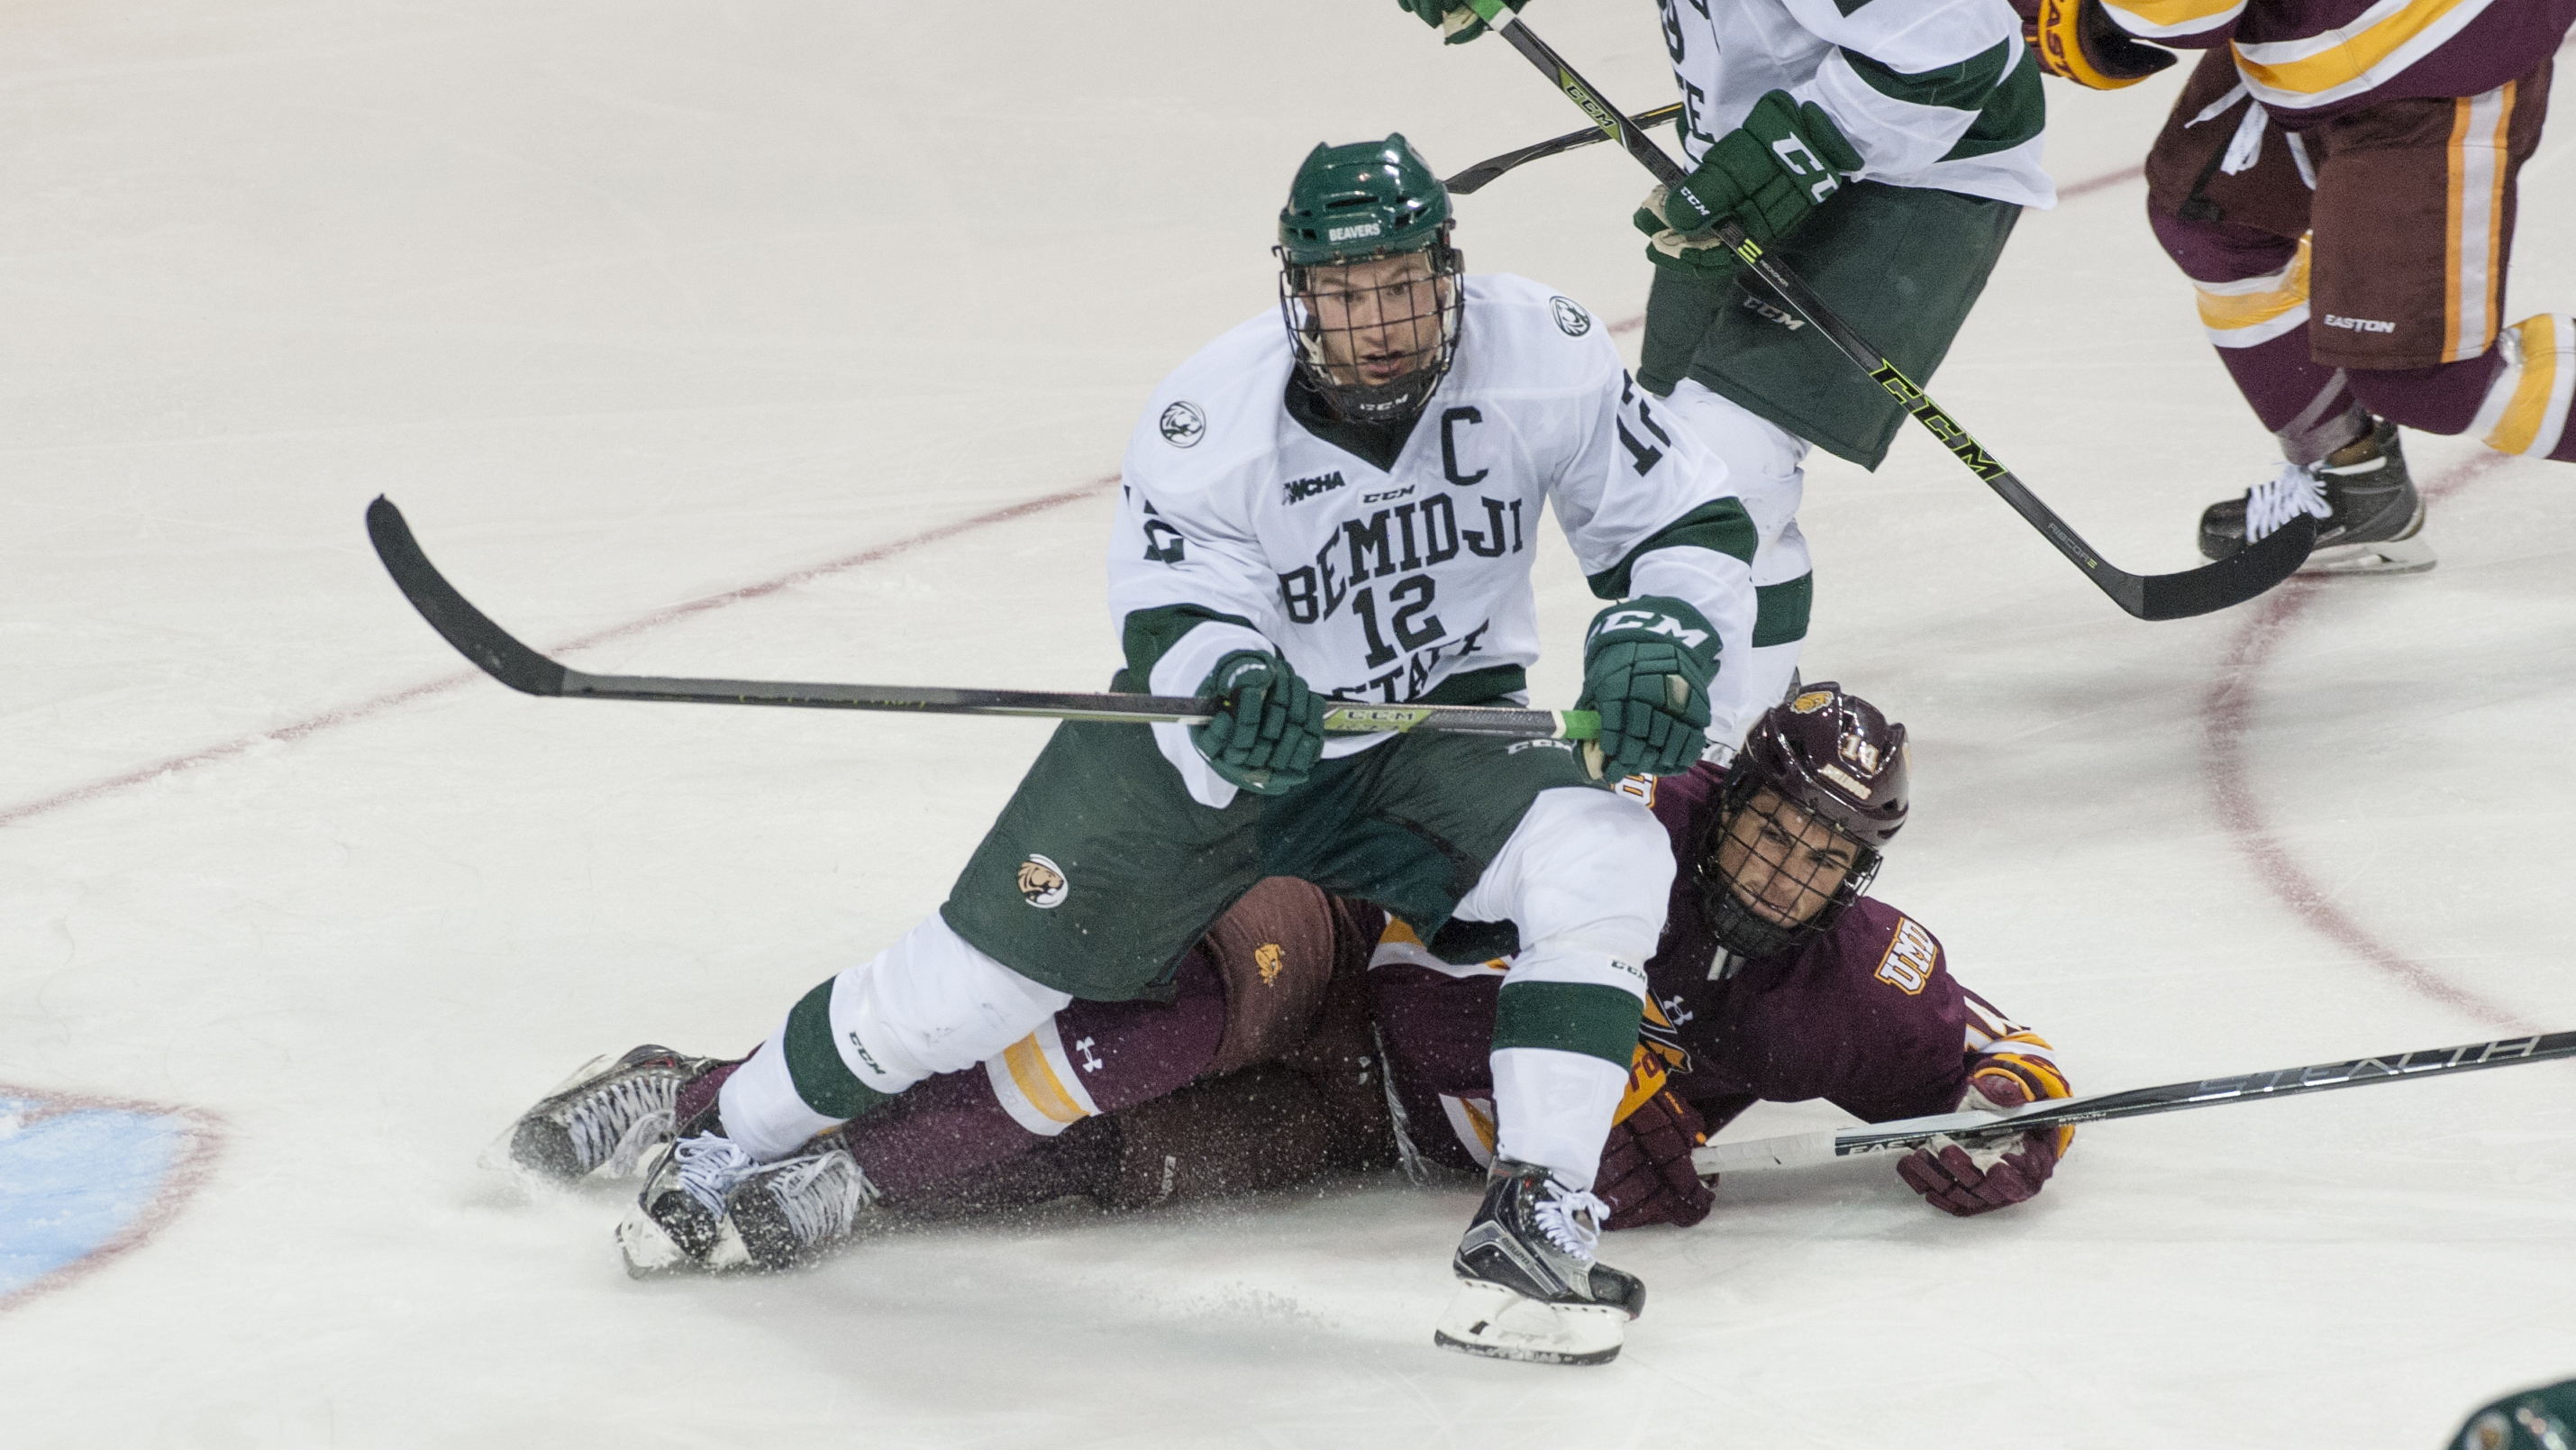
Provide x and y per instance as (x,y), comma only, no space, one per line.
(641,303)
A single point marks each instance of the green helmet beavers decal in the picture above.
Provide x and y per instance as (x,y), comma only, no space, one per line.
(1367,199)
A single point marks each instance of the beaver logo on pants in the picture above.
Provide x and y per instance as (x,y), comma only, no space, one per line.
(1042,883)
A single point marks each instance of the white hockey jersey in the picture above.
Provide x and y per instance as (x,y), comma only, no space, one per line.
(1385,584)
(1933,93)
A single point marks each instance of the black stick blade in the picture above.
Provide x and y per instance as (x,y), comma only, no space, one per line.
(2229,582)
(459,623)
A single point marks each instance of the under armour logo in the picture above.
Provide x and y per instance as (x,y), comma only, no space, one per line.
(1090,1060)
(1673,1010)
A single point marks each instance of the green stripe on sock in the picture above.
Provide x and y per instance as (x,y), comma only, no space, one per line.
(814,1064)
(1780,611)
(1579,1017)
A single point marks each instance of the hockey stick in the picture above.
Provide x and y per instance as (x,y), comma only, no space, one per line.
(2230,581)
(514,664)
(1475,177)
(1797,1150)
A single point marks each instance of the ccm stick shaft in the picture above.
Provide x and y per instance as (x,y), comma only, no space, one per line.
(2230,581)
(514,664)
(1800,1149)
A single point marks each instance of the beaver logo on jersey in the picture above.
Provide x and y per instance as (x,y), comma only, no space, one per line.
(1183,425)
(1042,883)
(1571,319)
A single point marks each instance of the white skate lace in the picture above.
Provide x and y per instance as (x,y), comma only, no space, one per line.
(2284,496)
(599,1122)
(709,1168)
(1572,1222)
(821,1196)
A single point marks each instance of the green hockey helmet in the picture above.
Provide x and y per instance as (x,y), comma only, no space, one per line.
(1367,199)
(1369,286)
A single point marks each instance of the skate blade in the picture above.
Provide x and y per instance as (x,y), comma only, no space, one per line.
(1492,1321)
(2388,556)
(651,1253)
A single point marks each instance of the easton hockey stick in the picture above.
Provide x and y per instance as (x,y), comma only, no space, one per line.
(2230,581)
(505,659)
(1798,1150)
(1475,177)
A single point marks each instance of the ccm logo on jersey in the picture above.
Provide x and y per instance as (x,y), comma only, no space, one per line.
(1911,959)
(1653,623)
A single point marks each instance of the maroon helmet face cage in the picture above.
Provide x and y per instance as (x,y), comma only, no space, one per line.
(1731,919)
(1411,325)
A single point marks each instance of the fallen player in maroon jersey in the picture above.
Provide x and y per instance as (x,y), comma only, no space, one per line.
(1308,1035)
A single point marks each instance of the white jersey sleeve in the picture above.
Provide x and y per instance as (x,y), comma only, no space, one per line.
(1185,555)
(1931,93)
(1648,511)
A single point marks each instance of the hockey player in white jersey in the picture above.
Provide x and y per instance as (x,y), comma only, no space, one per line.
(1334,499)
(1881,150)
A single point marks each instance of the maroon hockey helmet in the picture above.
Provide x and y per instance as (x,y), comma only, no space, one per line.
(1833,757)
(1836,756)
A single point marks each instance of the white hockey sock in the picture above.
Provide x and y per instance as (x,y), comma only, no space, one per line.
(1585,877)
(930,1003)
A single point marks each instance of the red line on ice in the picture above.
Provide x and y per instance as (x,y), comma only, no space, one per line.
(350,714)
(2227,715)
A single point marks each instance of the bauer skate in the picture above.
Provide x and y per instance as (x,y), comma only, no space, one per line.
(606,1117)
(2367,510)
(1529,1288)
(709,1207)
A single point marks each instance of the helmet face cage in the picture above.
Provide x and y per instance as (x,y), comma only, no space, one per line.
(1341,333)
(1736,924)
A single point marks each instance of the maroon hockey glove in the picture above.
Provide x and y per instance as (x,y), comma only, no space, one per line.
(1969,1181)
(1646,1175)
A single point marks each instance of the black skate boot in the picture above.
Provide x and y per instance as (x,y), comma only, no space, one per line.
(607,1115)
(1529,1288)
(795,1210)
(2365,503)
(678,1224)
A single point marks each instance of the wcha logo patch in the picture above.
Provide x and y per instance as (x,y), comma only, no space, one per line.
(1183,425)
(1042,883)
(1298,490)
(1571,319)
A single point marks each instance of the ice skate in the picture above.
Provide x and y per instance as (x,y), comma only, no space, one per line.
(605,1118)
(2367,510)
(1529,1288)
(795,1210)
(709,1207)
(678,1224)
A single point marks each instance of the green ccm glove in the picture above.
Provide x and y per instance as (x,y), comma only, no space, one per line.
(1766,174)
(1269,733)
(1646,668)
(1456,23)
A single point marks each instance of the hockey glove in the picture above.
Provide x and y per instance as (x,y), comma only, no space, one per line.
(1969,1181)
(1646,668)
(1646,1174)
(2079,40)
(1456,23)
(1766,175)
(1269,732)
